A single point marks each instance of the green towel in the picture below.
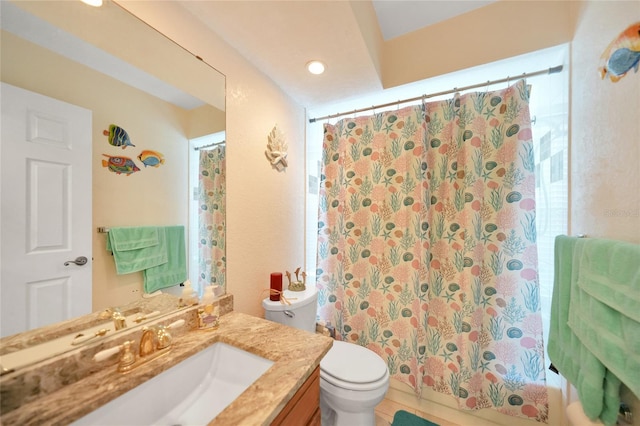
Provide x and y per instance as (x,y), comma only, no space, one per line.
(136,248)
(404,418)
(174,271)
(598,389)
(605,311)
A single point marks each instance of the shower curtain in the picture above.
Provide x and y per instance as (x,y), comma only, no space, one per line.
(212,218)
(427,247)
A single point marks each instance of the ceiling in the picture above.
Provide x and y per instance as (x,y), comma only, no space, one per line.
(280,37)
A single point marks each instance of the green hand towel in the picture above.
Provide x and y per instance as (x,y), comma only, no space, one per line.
(132,238)
(598,389)
(174,271)
(136,248)
(604,312)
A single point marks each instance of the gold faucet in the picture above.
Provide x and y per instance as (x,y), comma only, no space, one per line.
(147,343)
(154,342)
(128,358)
(163,337)
(119,320)
(157,338)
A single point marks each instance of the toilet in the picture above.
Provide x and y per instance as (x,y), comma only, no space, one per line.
(353,379)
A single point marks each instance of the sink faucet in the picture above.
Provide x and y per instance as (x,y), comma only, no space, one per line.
(119,320)
(147,343)
(159,335)
(154,342)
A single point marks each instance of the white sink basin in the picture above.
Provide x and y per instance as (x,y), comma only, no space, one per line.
(192,392)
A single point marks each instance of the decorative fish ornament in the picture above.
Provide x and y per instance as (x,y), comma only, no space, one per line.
(622,54)
(118,136)
(151,158)
(120,165)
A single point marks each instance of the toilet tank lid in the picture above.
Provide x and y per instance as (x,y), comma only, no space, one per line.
(297,299)
(353,363)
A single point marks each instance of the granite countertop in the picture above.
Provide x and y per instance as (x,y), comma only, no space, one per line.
(296,354)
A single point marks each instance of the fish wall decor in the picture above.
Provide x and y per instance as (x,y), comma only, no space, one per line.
(622,54)
(151,158)
(120,165)
(117,136)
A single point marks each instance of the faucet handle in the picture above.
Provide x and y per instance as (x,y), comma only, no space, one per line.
(106,314)
(102,355)
(163,336)
(126,359)
(144,317)
(176,324)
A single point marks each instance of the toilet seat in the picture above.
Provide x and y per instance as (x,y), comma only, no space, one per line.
(353,367)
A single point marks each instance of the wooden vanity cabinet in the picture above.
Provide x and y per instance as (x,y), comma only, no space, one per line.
(304,407)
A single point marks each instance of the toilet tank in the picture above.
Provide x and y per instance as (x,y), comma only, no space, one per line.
(300,313)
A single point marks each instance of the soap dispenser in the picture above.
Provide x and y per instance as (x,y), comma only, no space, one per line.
(208,311)
(188,296)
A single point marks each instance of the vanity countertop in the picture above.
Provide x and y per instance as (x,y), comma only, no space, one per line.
(295,353)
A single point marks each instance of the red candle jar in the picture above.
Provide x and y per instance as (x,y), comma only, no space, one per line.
(276,286)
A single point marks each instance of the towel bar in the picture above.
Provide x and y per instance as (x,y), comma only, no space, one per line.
(103,230)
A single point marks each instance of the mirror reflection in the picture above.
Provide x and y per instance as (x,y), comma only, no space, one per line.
(23,349)
(146,101)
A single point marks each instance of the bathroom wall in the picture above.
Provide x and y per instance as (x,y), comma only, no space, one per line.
(118,200)
(265,208)
(605,124)
(605,152)
(500,30)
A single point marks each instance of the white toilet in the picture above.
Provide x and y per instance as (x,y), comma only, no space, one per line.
(353,379)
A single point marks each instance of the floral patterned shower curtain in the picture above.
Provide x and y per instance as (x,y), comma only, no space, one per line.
(372,257)
(212,218)
(427,247)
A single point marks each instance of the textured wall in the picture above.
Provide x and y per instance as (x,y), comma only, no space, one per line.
(605,124)
(605,128)
(501,30)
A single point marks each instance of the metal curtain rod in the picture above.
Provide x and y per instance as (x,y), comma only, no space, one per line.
(198,148)
(552,70)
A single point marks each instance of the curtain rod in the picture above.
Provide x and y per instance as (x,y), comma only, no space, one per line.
(552,70)
(198,148)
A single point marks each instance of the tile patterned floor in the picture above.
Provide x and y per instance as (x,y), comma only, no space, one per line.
(387,408)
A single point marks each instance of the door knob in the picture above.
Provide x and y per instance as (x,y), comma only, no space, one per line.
(81,260)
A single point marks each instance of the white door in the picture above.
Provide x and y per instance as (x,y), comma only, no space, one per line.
(45,210)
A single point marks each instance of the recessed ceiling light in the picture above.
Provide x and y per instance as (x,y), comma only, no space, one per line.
(95,3)
(315,67)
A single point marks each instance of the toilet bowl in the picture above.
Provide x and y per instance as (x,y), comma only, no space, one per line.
(353,379)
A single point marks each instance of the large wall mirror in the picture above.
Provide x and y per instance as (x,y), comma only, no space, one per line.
(127,76)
